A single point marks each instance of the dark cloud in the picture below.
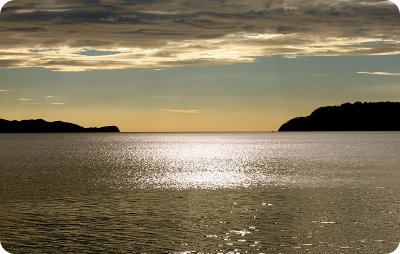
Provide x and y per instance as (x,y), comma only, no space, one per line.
(8,63)
(27,29)
(152,33)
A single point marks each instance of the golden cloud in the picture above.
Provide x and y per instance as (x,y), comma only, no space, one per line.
(112,34)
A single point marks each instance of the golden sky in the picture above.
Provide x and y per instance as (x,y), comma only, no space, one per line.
(194,65)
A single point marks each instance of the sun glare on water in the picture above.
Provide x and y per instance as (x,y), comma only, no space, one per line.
(202,165)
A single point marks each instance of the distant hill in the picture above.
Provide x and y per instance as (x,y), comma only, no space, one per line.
(41,126)
(368,116)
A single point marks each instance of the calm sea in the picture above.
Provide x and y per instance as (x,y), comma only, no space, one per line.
(200,193)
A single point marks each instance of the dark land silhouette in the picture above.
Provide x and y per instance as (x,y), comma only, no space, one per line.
(367,116)
(42,126)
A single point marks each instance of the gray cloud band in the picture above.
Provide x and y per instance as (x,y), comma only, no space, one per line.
(117,34)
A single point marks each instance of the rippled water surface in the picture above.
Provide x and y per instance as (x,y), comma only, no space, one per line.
(200,193)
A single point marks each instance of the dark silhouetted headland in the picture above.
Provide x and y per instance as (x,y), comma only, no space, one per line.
(41,126)
(368,116)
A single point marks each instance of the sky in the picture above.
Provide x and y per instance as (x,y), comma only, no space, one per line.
(179,65)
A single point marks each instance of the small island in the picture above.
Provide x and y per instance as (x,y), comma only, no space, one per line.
(42,126)
(367,116)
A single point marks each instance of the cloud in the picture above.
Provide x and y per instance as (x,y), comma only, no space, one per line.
(49,97)
(380,73)
(58,103)
(114,34)
(3,90)
(183,111)
(397,2)
(24,99)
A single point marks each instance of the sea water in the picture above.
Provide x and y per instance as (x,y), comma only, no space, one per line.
(200,192)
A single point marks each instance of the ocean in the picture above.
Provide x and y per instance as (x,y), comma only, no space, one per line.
(330,192)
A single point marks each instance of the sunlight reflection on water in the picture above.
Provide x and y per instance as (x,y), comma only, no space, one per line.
(210,161)
(198,163)
(201,165)
(206,179)
(200,193)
